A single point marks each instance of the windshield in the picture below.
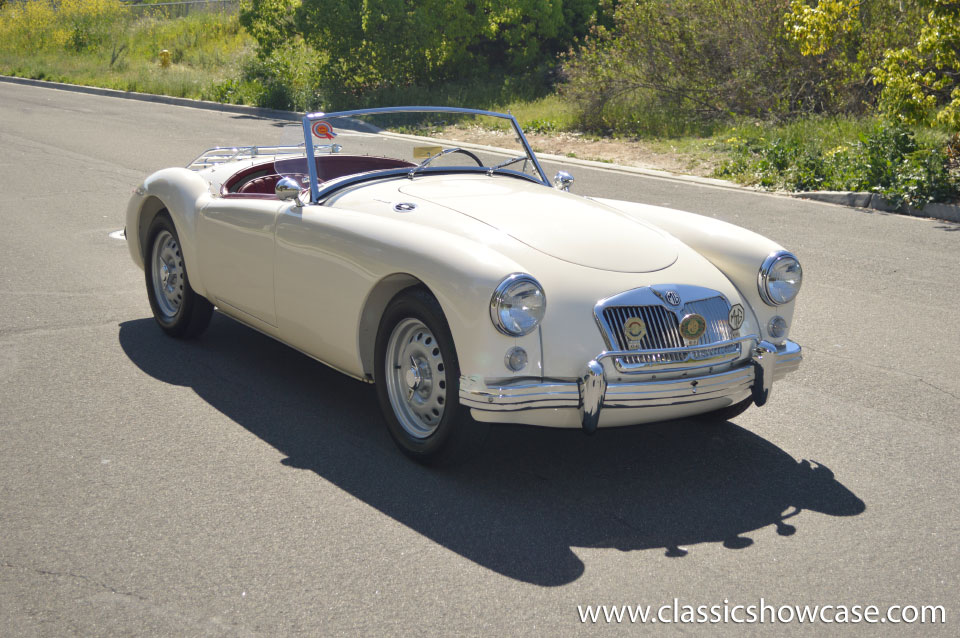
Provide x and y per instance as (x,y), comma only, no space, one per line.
(416,141)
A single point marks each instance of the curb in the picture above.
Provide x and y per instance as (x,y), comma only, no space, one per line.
(947,212)
(206,105)
(292,116)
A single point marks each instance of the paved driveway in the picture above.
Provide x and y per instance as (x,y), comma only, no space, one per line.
(231,486)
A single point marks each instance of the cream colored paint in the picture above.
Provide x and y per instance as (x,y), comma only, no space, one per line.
(465,235)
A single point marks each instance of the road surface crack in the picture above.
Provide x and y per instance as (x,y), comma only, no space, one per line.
(86,579)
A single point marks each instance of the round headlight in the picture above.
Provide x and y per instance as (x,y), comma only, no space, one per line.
(780,278)
(517,305)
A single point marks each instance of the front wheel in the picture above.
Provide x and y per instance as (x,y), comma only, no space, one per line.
(418,383)
(179,311)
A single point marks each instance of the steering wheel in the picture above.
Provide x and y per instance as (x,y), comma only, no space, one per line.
(464,151)
(446,151)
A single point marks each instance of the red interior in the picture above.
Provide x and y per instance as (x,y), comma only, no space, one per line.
(259,181)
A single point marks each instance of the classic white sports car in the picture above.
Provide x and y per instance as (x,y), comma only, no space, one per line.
(464,283)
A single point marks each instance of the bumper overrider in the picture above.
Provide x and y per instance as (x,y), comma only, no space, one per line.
(700,376)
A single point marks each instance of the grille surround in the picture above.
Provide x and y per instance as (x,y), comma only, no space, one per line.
(663,328)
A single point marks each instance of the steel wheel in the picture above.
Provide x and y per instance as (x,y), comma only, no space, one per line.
(168,274)
(415,378)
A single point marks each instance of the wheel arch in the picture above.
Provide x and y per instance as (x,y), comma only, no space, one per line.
(151,207)
(179,192)
(380,296)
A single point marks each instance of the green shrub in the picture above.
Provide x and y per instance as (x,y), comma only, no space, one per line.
(374,48)
(677,62)
(888,160)
(675,67)
(286,78)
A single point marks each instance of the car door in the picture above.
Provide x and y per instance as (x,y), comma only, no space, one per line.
(321,284)
(236,253)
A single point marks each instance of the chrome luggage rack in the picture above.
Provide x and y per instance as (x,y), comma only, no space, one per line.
(223,154)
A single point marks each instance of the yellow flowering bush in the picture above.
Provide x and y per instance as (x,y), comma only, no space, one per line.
(40,25)
(920,82)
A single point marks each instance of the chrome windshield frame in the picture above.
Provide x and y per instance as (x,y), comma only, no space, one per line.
(309,118)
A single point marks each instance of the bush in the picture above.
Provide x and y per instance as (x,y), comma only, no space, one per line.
(670,67)
(686,61)
(372,47)
(270,22)
(888,161)
(284,79)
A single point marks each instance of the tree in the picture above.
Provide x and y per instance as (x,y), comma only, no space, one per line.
(270,22)
(915,61)
(920,81)
(367,44)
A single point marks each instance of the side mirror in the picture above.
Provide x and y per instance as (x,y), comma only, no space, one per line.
(287,189)
(563,180)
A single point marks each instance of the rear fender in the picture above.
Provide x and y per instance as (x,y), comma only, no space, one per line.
(181,192)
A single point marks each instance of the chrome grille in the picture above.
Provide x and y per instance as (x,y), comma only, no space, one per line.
(663,330)
(716,311)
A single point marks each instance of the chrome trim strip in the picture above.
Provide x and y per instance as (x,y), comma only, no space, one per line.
(678,366)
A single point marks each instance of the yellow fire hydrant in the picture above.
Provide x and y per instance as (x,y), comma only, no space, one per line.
(164,58)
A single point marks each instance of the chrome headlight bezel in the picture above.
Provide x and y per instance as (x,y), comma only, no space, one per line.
(764,278)
(503,292)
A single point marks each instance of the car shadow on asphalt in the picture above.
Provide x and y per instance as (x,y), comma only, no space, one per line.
(532,494)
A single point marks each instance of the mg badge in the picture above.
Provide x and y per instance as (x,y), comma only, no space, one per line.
(692,327)
(634,329)
(735,318)
(672,297)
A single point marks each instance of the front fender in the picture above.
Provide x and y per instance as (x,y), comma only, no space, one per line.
(330,261)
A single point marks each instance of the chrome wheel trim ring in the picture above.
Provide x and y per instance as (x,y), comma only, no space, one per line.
(416,378)
(168,274)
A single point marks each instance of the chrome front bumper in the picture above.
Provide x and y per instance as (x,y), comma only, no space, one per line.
(695,380)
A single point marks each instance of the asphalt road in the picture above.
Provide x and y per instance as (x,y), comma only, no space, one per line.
(231,486)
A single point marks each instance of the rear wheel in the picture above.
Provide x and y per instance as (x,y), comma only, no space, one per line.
(179,311)
(418,382)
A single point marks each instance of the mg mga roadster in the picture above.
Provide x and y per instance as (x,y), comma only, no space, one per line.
(465,283)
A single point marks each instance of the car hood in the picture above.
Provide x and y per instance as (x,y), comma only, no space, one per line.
(558,224)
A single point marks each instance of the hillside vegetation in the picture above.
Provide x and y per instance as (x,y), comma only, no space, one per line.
(798,94)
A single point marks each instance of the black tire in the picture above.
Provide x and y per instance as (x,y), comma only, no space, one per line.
(180,311)
(725,414)
(453,436)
